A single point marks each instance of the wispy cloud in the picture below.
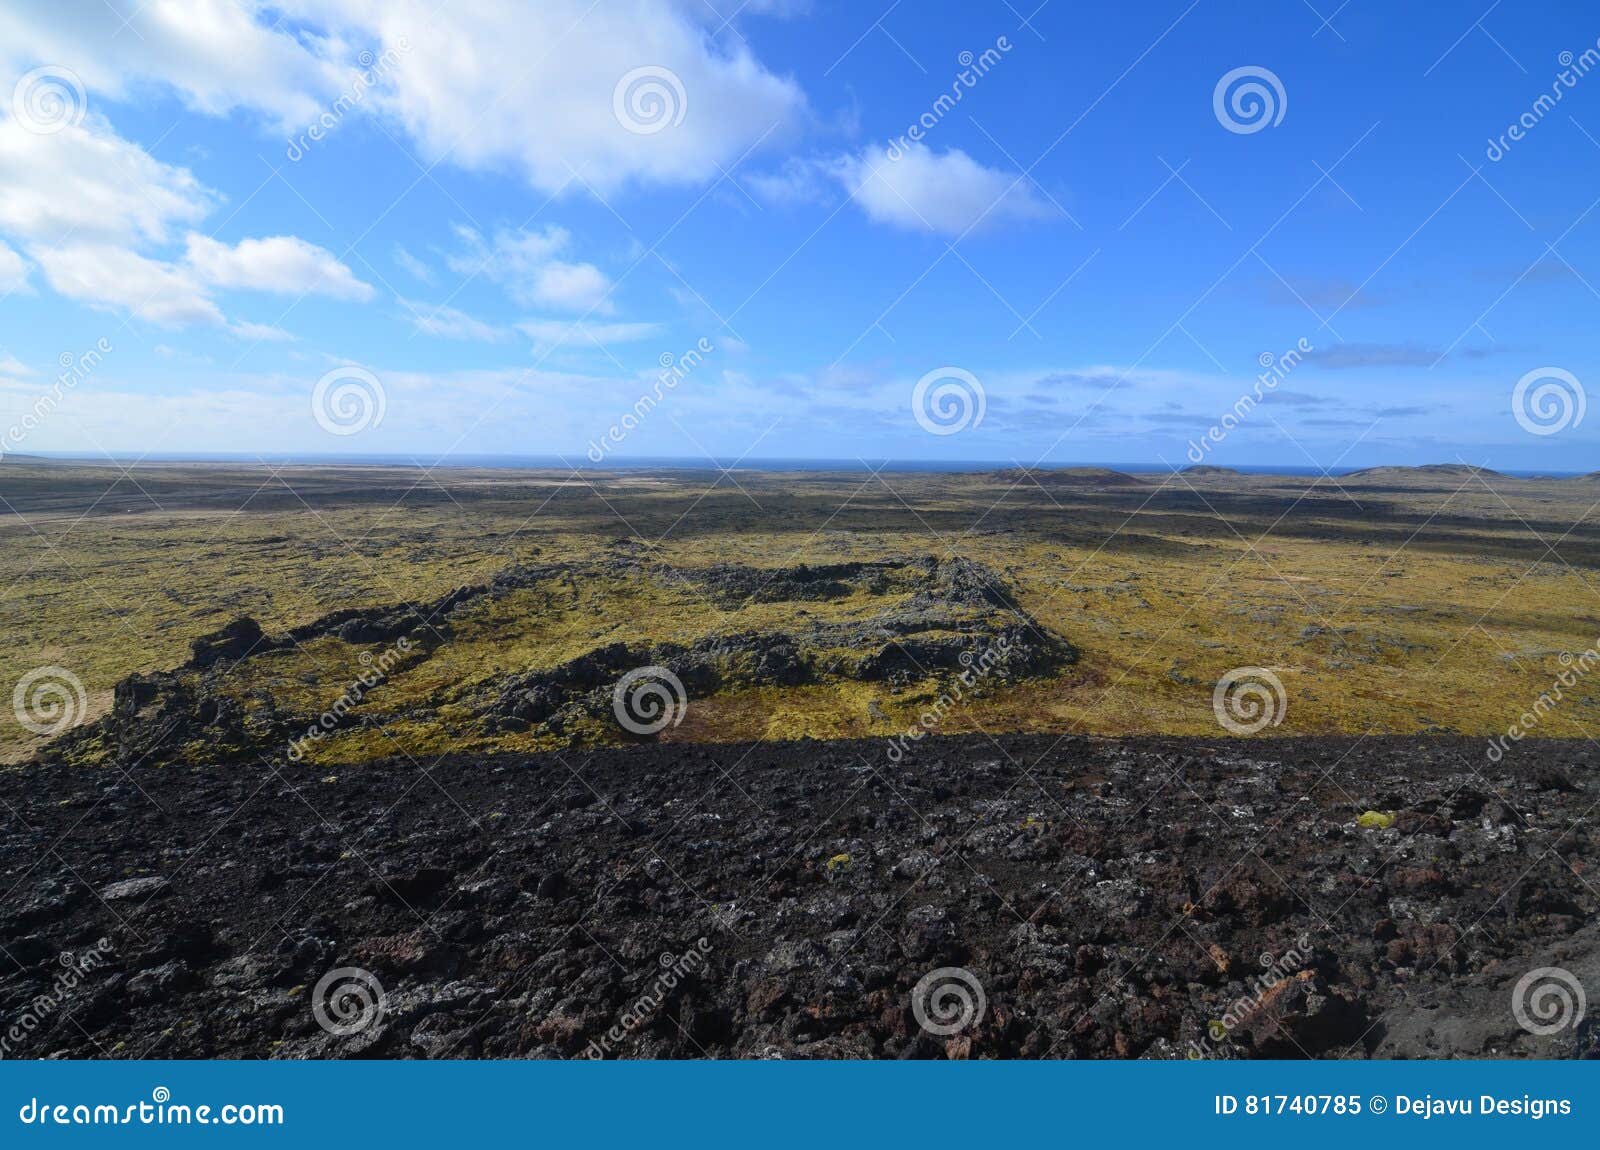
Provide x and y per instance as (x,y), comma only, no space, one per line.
(529,264)
(1299,399)
(1320,293)
(411,265)
(1348,356)
(554,332)
(449,323)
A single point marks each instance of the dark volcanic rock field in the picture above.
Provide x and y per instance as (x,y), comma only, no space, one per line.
(1146,898)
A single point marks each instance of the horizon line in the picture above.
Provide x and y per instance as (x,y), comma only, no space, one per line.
(525,461)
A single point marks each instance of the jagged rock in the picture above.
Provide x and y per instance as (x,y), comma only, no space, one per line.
(237,640)
(139,888)
(1102,908)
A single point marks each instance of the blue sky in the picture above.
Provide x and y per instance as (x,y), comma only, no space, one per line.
(491,249)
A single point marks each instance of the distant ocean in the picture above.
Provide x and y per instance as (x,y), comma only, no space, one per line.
(679,463)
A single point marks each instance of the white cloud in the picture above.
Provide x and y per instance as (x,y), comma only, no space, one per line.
(12,366)
(412,265)
(217,54)
(13,271)
(260,332)
(554,332)
(506,84)
(287,265)
(780,9)
(101,274)
(498,85)
(493,85)
(526,264)
(927,191)
(798,181)
(571,287)
(448,323)
(86,204)
(228,411)
(88,182)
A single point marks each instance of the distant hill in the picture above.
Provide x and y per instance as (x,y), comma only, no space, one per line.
(1071,476)
(1426,471)
(1208,469)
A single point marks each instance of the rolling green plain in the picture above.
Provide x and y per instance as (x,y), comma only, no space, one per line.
(1435,600)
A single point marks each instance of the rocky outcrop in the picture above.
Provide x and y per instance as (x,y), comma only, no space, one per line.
(935,618)
(944,618)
